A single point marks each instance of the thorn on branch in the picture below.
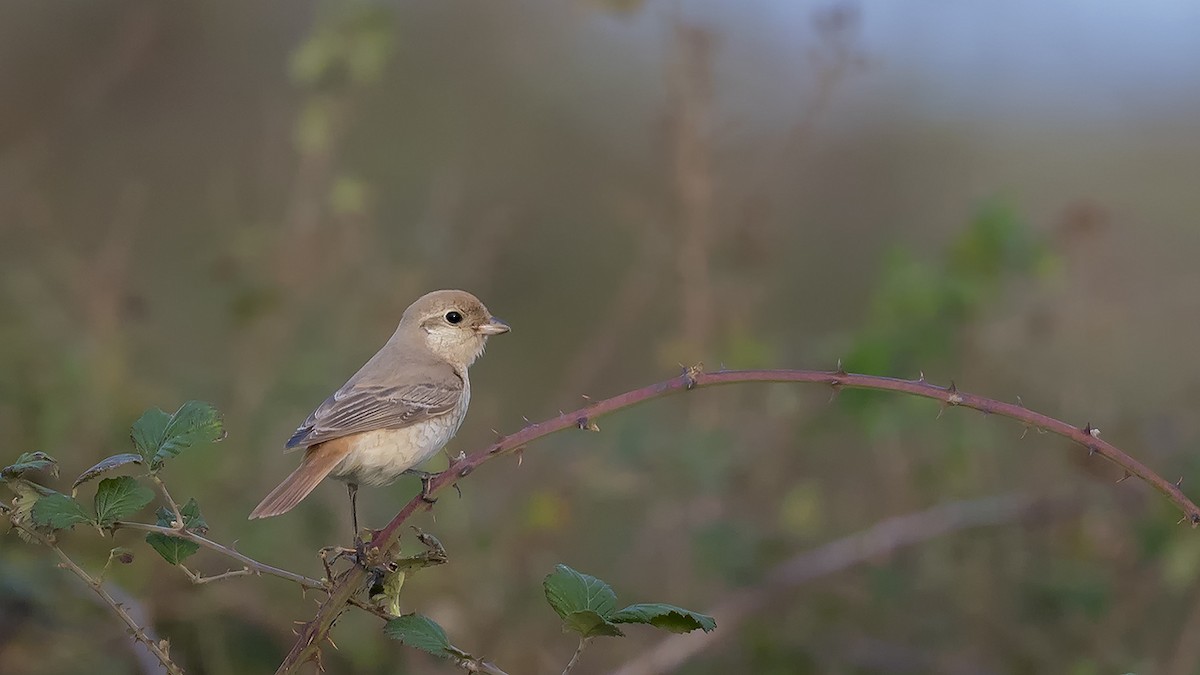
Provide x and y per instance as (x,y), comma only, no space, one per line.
(1124,478)
(1020,403)
(1179,483)
(840,370)
(921,378)
(586,425)
(952,395)
(690,373)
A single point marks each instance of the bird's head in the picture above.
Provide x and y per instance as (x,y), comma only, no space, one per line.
(454,324)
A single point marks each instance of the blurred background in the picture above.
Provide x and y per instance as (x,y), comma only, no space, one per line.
(234,202)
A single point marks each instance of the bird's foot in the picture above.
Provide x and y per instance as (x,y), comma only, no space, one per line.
(360,550)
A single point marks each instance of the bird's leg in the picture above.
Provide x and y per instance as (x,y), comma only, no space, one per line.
(352,489)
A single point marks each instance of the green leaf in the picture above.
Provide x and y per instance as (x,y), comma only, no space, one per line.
(28,494)
(173,549)
(667,617)
(58,511)
(582,601)
(149,432)
(421,632)
(176,549)
(588,623)
(159,437)
(30,461)
(190,511)
(117,498)
(570,591)
(106,464)
(192,519)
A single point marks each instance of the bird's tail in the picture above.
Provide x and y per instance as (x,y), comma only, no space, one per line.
(317,463)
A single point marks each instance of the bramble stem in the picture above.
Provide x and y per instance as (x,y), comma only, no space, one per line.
(162,487)
(159,650)
(583,643)
(258,567)
(314,633)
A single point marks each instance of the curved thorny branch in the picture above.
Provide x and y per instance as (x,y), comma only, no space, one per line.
(159,649)
(351,581)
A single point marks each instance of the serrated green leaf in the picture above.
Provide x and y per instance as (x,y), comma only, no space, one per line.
(588,623)
(28,494)
(581,600)
(149,431)
(667,617)
(30,461)
(192,519)
(568,591)
(421,632)
(120,497)
(57,511)
(159,437)
(173,549)
(106,464)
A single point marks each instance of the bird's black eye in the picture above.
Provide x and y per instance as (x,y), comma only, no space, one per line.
(453,317)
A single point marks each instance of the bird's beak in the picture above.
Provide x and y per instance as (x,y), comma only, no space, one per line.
(493,326)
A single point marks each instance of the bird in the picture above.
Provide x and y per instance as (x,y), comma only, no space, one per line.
(398,410)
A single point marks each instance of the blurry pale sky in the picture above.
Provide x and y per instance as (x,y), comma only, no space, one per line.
(1066,61)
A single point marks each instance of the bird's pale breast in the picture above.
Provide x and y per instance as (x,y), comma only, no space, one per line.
(379,457)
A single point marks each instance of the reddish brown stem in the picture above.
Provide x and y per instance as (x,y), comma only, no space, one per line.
(316,631)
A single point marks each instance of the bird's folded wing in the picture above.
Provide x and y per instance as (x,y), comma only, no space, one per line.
(355,409)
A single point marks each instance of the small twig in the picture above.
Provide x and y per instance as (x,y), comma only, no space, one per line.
(112,553)
(583,643)
(162,487)
(258,567)
(479,666)
(255,567)
(198,578)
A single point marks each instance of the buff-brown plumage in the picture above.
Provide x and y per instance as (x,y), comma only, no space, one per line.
(399,409)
